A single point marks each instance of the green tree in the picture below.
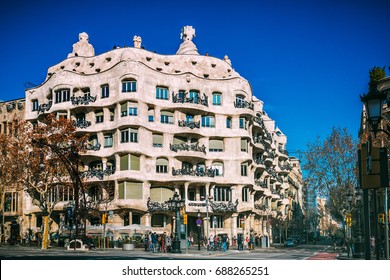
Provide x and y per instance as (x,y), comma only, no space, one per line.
(330,167)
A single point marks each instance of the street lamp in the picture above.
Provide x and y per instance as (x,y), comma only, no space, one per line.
(198,223)
(374,104)
(359,245)
(174,204)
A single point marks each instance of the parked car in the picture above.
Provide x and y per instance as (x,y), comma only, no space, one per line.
(289,242)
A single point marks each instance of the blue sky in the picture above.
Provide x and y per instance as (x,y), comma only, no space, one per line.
(307,60)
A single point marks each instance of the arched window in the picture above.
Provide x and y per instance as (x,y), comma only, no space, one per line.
(129,85)
(218,168)
(161,165)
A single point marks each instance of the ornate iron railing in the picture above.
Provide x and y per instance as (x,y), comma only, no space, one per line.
(82,100)
(182,98)
(209,172)
(98,173)
(154,206)
(244,104)
(223,207)
(192,125)
(81,123)
(44,107)
(186,147)
(93,147)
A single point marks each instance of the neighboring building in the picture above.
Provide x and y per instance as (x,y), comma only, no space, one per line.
(160,124)
(11,113)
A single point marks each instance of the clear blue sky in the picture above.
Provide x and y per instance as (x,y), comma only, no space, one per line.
(307,60)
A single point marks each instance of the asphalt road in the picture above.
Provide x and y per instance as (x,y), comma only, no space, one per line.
(300,252)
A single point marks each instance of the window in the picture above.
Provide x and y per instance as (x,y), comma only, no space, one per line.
(242,123)
(194,96)
(124,110)
(162,93)
(161,165)
(218,168)
(129,86)
(208,121)
(136,219)
(222,194)
(112,115)
(105,91)
(129,162)
(215,145)
(160,194)
(60,193)
(35,105)
(189,118)
(151,115)
(62,95)
(244,145)
(133,111)
(217,98)
(244,169)
(99,116)
(228,122)
(130,190)
(108,140)
(245,194)
(166,117)
(11,202)
(157,140)
(95,193)
(216,221)
(129,135)
(240,100)
(159,220)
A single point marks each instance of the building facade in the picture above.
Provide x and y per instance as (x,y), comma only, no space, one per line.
(164,124)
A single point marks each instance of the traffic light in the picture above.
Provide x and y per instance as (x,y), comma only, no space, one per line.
(381,218)
(348,219)
(104,219)
(185,219)
(388,215)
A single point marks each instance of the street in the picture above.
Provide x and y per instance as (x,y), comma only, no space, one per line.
(301,252)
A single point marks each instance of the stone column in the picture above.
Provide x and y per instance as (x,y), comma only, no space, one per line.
(234,225)
(147,219)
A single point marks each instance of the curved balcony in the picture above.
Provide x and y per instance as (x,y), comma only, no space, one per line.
(82,100)
(98,173)
(244,104)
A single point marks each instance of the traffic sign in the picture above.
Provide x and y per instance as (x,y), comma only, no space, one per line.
(198,221)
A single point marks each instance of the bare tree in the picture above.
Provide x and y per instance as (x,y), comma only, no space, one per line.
(330,167)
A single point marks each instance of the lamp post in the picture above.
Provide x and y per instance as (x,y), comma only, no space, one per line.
(29,228)
(373,102)
(174,204)
(198,224)
(359,245)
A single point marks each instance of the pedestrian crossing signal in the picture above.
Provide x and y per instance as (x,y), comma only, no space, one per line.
(348,220)
(381,218)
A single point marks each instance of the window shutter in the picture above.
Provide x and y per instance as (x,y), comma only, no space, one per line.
(124,162)
(134,162)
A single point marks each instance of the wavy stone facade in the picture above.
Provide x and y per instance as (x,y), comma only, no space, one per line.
(160,124)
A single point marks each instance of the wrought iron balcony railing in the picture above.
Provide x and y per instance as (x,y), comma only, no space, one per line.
(186,147)
(209,172)
(244,104)
(82,100)
(182,98)
(154,206)
(98,173)
(81,123)
(93,147)
(44,107)
(224,207)
(192,125)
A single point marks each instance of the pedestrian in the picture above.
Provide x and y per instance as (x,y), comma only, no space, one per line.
(224,241)
(372,243)
(239,242)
